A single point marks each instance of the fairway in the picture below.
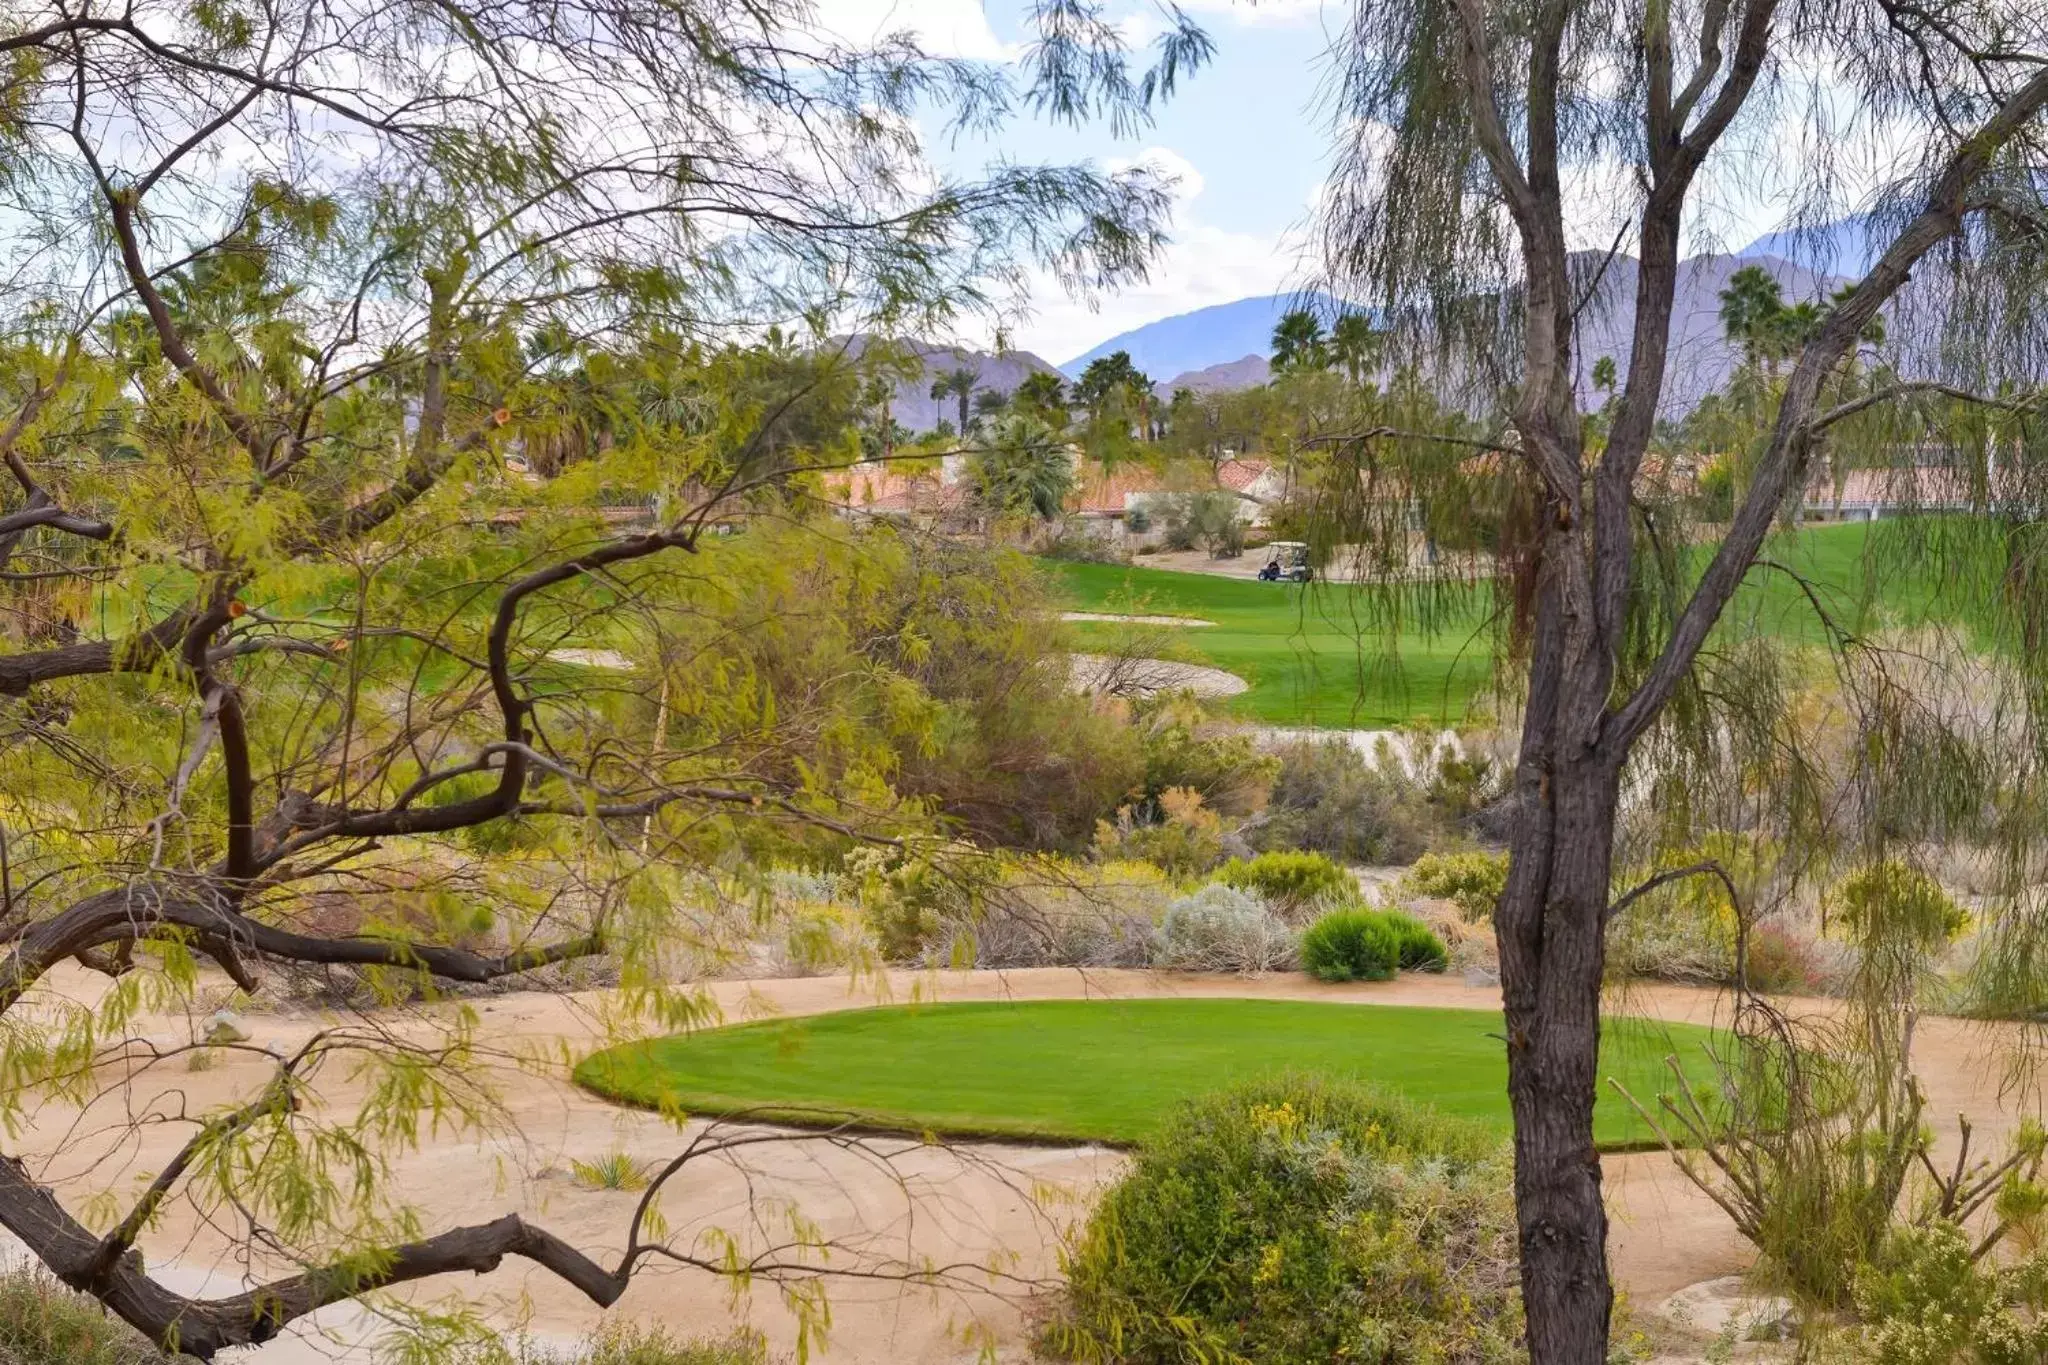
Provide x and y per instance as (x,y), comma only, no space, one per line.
(1324,654)
(1102,1070)
(1314,654)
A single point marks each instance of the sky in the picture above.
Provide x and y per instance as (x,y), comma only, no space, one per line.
(1247,138)
(1243,137)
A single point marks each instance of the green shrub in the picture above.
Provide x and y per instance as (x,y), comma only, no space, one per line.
(1370,945)
(1185,842)
(1470,881)
(1299,1221)
(43,1323)
(1351,945)
(1329,798)
(1291,882)
(1420,948)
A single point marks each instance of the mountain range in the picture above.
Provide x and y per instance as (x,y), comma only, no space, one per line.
(1225,346)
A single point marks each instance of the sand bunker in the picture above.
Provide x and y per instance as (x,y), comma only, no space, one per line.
(1128,677)
(1134,620)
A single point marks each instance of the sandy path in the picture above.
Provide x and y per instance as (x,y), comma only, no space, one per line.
(975,1206)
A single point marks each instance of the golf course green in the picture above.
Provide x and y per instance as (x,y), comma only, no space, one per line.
(1102,1070)
(1343,656)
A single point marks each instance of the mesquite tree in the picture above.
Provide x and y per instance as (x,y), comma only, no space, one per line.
(302,668)
(1479,138)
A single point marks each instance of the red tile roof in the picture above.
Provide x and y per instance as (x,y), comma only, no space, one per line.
(1238,475)
(1108,494)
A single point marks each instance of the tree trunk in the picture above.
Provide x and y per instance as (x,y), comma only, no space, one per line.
(1550,922)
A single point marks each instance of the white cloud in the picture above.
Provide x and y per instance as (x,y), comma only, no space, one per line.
(1263,11)
(946,28)
(1204,265)
(1168,164)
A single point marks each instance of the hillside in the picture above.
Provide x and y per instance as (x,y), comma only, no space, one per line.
(1702,357)
(1206,337)
(1000,373)
(1247,373)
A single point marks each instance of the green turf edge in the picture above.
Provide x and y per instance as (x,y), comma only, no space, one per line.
(885,1123)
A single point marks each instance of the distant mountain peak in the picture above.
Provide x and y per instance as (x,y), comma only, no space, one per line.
(1207,336)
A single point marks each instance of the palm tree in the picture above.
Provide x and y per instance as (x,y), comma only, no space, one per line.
(1298,342)
(1752,312)
(1023,468)
(960,384)
(1355,345)
(987,404)
(1113,389)
(1042,395)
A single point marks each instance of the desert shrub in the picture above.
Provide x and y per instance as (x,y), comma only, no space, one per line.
(1300,1221)
(1687,929)
(1184,842)
(612,1171)
(1055,913)
(919,658)
(1470,881)
(1076,541)
(1290,882)
(1185,748)
(1924,916)
(1461,785)
(1207,519)
(907,905)
(1351,945)
(43,1323)
(626,1344)
(1218,929)
(1928,1300)
(1328,798)
(1781,962)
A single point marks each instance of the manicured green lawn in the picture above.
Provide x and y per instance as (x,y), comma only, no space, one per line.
(1314,654)
(1102,1070)
(1326,655)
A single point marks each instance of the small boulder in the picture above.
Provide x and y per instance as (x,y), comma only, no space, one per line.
(222,1027)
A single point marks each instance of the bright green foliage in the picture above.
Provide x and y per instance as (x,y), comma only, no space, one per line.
(1351,945)
(1290,882)
(1421,949)
(43,1323)
(1370,945)
(1470,881)
(612,1171)
(1100,1070)
(1298,1222)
